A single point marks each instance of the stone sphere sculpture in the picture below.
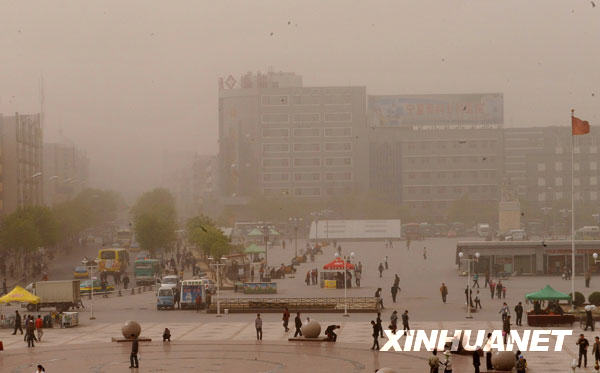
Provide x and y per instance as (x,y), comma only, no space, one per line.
(503,360)
(386,370)
(131,329)
(311,330)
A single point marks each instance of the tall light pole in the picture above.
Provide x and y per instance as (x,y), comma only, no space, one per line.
(217,264)
(92,264)
(469,260)
(295,222)
(346,260)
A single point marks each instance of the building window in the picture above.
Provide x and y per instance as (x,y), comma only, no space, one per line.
(541,167)
(593,180)
(338,117)
(338,132)
(541,196)
(577,149)
(558,195)
(338,190)
(276,191)
(306,100)
(275,118)
(338,176)
(302,147)
(276,148)
(338,161)
(276,132)
(558,166)
(576,181)
(576,166)
(273,177)
(307,176)
(558,181)
(338,146)
(307,117)
(307,132)
(307,192)
(307,162)
(411,175)
(274,100)
(558,150)
(275,162)
(593,149)
(541,181)
(593,165)
(593,195)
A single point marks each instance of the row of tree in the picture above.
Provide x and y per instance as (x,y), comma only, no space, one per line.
(31,227)
(155,225)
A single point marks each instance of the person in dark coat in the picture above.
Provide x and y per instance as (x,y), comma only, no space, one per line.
(405,321)
(380,269)
(394,292)
(378,322)
(133,358)
(330,332)
(589,320)
(583,344)
(167,335)
(488,355)
(17,323)
(476,359)
(298,323)
(519,313)
(375,335)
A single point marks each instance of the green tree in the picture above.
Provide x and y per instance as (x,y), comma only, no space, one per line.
(206,236)
(155,220)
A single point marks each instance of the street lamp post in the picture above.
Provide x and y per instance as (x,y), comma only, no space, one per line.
(346,259)
(595,256)
(469,260)
(295,221)
(90,269)
(217,264)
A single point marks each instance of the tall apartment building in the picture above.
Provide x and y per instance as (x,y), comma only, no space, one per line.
(427,151)
(21,161)
(278,138)
(66,172)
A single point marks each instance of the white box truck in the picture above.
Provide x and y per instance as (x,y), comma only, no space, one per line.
(62,295)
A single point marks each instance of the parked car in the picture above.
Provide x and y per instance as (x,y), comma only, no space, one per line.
(86,287)
(170,281)
(81,272)
(165,298)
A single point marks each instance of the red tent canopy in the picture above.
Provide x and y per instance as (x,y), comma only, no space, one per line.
(338,264)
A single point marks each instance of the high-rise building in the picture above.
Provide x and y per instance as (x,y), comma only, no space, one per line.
(21,161)
(66,172)
(278,138)
(427,151)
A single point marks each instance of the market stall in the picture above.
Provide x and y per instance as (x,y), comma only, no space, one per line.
(552,314)
(20,295)
(332,275)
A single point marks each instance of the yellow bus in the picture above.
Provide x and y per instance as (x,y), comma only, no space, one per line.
(113,260)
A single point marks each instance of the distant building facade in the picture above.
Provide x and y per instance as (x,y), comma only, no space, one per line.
(65,172)
(426,151)
(279,139)
(21,172)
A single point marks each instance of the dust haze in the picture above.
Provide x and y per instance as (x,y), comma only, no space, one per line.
(130,82)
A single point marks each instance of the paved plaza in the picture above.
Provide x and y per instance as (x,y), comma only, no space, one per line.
(204,342)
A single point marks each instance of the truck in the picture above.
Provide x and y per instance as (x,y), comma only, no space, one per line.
(483,229)
(146,271)
(190,290)
(62,295)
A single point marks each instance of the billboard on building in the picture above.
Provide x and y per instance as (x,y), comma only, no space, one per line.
(457,109)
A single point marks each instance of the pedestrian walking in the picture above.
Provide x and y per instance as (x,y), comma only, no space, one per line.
(444,292)
(375,335)
(396,280)
(405,321)
(39,325)
(477,300)
(380,270)
(488,354)
(519,314)
(434,362)
(307,279)
(357,276)
(476,359)
(378,322)
(596,351)
(394,322)
(447,363)
(286,319)
(408,244)
(395,290)
(504,311)
(133,357)
(476,280)
(506,328)
(386,262)
(258,326)
(424,253)
(30,332)
(487,279)
(589,320)
(583,344)
(492,288)
(40,369)
(198,303)
(503,292)
(298,324)
(17,323)
(499,289)
(588,277)
(379,298)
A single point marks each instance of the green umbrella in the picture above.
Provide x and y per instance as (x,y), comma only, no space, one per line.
(254,249)
(547,293)
(255,232)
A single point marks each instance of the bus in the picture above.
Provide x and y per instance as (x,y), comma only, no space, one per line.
(146,271)
(113,260)
(124,237)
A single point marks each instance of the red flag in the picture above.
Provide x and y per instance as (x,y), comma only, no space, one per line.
(579,127)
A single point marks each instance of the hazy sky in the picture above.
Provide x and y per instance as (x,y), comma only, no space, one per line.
(127,80)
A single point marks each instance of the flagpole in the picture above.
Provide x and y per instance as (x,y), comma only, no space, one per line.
(572,215)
